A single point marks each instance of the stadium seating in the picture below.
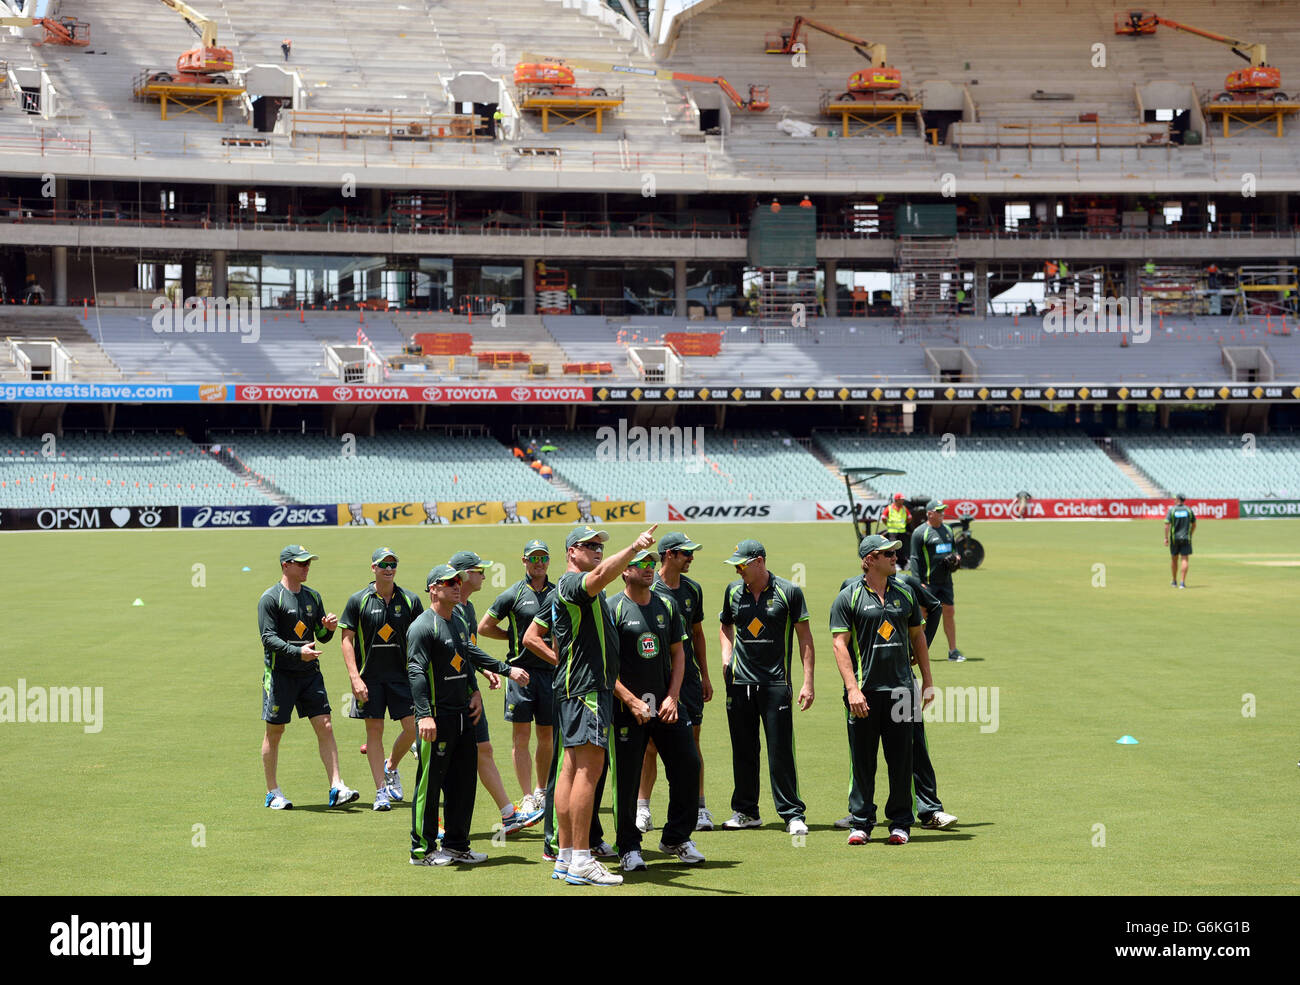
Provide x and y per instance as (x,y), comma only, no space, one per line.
(985,466)
(1265,466)
(118,470)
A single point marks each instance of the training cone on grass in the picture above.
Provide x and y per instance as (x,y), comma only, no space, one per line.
(1126,740)
(138,602)
(245,568)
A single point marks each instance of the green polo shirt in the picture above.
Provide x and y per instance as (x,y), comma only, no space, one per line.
(520,604)
(763,639)
(930,546)
(689,599)
(381,629)
(1180,519)
(646,634)
(440,676)
(878,631)
(586,643)
(287,623)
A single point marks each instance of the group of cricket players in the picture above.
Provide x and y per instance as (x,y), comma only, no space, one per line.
(609,664)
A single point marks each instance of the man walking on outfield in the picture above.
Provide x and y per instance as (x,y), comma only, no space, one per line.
(374,623)
(934,559)
(587,667)
(518,605)
(651,665)
(871,624)
(1181,523)
(464,625)
(446,706)
(291,619)
(761,614)
(677,551)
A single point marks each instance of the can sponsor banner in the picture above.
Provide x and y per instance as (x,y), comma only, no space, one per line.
(488,512)
(262,515)
(445,393)
(90,518)
(1086,508)
(1254,508)
(128,393)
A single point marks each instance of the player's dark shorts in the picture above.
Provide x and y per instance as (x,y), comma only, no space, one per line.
(692,703)
(534,702)
(481,733)
(584,720)
(282,693)
(391,694)
(1183,547)
(942,592)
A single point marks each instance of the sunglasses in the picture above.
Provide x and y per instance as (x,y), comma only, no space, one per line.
(386,565)
(591,545)
(886,553)
(644,565)
(537,558)
(686,554)
(451,581)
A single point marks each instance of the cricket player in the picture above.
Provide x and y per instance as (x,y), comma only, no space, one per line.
(933,561)
(1181,523)
(292,619)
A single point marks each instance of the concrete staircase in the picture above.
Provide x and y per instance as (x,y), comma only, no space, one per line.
(1139,478)
(90,361)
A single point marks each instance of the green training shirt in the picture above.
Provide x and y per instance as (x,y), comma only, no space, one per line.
(381,629)
(763,639)
(930,547)
(288,622)
(646,634)
(878,631)
(586,643)
(464,626)
(689,597)
(1180,519)
(520,604)
(441,678)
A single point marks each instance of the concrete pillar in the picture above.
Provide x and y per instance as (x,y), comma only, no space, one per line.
(1131,278)
(830,290)
(376,203)
(679,287)
(219,273)
(980,289)
(60,263)
(1284,209)
(189,279)
(530,285)
(221,205)
(159,278)
(530,205)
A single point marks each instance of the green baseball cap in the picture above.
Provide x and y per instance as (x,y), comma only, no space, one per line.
(642,555)
(936,505)
(581,535)
(441,572)
(677,542)
(533,546)
(746,551)
(382,553)
(468,561)
(877,542)
(296,552)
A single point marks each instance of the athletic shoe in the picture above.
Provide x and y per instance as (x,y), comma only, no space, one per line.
(686,852)
(859,837)
(845,822)
(739,820)
(341,795)
(938,820)
(796,826)
(382,801)
(549,855)
(897,836)
(1182,584)
(592,873)
(533,816)
(393,781)
(446,856)
(429,859)
(644,823)
(632,862)
(511,824)
(1173,584)
(705,820)
(277,801)
(561,868)
(956,656)
(526,804)
(604,850)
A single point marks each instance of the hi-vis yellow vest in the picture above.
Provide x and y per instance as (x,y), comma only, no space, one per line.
(896,519)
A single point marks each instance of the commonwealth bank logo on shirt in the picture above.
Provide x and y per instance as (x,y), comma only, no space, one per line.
(457,662)
(300,628)
(755,626)
(886,631)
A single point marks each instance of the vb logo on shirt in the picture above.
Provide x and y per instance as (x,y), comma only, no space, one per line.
(648,645)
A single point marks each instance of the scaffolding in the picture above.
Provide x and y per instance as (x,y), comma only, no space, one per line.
(1265,290)
(1175,289)
(927,277)
(780,289)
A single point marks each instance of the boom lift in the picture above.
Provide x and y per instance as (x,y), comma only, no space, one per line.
(63,30)
(536,73)
(204,63)
(1260,81)
(871,83)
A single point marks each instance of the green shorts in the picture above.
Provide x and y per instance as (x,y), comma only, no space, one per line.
(584,720)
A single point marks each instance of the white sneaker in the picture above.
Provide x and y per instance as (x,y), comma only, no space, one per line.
(796,826)
(592,873)
(632,862)
(686,852)
(705,820)
(382,801)
(527,805)
(643,820)
(739,820)
(939,820)
(277,801)
(604,850)
(393,781)
(845,822)
(342,794)
(897,836)
(446,856)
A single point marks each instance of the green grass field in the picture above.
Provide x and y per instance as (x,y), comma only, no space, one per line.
(1195,808)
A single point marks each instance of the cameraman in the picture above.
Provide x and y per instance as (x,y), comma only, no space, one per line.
(934,559)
